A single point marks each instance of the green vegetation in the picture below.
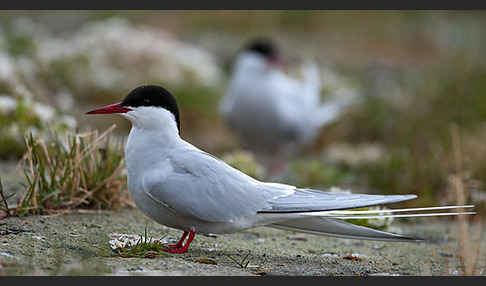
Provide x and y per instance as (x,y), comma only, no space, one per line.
(245,162)
(416,134)
(317,174)
(145,247)
(417,75)
(20,116)
(78,171)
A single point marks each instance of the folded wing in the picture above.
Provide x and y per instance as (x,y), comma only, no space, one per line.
(308,200)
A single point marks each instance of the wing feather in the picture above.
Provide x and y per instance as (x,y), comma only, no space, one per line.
(309,200)
(204,187)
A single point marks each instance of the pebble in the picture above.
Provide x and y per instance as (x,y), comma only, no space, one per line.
(359,255)
(206,260)
(249,236)
(383,274)
(329,255)
(38,237)
(445,254)
(7,253)
(354,257)
(297,237)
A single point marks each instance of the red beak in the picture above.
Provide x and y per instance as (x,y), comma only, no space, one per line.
(278,62)
(112,108)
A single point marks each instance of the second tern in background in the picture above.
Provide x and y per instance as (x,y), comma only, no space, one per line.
(180,186)
(271,113)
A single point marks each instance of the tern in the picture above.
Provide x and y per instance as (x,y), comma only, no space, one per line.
(271,113)
(183,187)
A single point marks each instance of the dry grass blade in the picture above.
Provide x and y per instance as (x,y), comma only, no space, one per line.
(244,261)
(5,209)
(468,249)
(93,144)
(77,171)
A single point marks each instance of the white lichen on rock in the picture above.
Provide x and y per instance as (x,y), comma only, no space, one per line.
(121,240)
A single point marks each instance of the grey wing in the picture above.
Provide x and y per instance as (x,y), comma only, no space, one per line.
(204,187)
(308,200)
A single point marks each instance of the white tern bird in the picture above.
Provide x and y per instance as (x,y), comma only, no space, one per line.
(180,186)
(271,113)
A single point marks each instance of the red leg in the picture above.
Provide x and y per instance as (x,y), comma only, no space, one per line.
(184,248)
(179,243)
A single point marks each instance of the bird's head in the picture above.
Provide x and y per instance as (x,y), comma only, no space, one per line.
(265,52)
(147,106)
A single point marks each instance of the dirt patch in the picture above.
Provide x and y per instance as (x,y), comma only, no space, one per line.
(78,244)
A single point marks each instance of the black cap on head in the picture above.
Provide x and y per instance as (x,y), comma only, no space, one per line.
(264,47)
(152,95)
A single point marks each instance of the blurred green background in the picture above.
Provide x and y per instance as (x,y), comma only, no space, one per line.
(421,76)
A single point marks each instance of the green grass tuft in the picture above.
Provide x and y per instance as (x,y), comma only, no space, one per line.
(77,171)
(144,248)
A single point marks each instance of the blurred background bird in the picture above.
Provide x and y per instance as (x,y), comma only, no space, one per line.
(272,113)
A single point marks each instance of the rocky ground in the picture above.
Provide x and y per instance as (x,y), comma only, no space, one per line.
(77,244)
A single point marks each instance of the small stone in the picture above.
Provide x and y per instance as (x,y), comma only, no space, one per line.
(150,254)
(7,253)
(93,226)
(249,236)
(38,237)
(455,272)
(353,257)
(383,274)
(445,254)
(329,255)
(297,237)
(206,261)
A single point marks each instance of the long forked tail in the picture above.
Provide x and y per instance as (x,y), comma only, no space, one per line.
(323,212)
(331,223)
(386,213)
(339,228)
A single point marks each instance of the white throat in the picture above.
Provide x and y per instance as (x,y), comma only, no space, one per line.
(249,63)
(149,117)
(153,136)
(154,124)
